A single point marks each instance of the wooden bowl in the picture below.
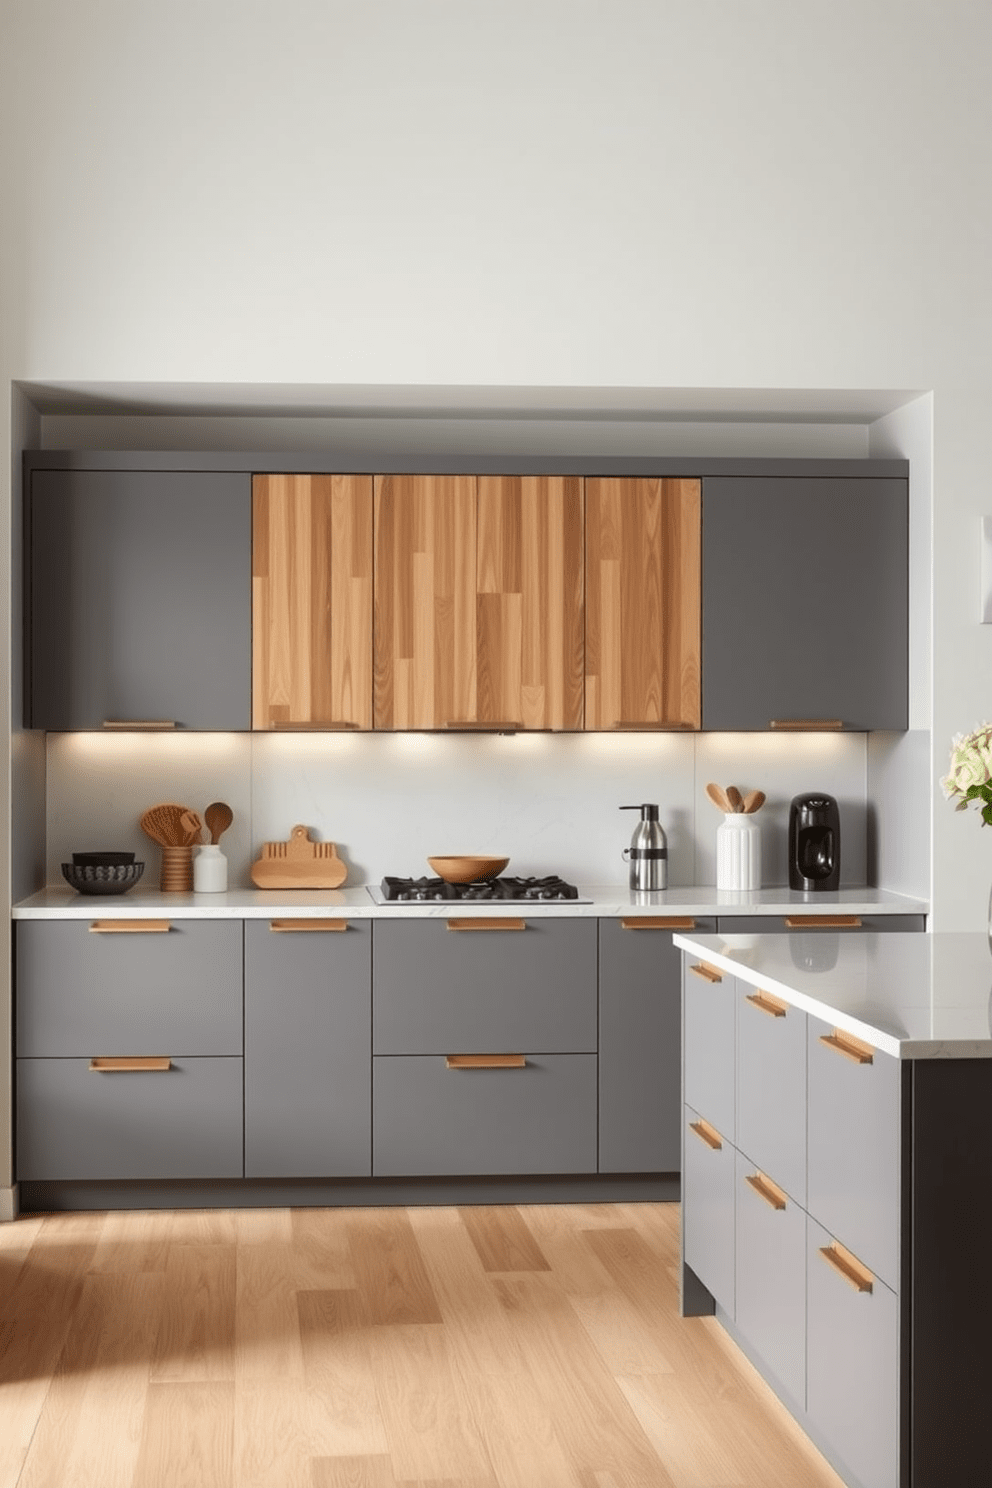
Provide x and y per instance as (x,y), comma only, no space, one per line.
(466,869)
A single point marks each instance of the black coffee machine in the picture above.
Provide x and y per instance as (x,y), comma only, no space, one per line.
(814,842)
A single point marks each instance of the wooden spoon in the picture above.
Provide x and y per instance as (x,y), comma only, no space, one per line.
(718,796)
(218,817)
(735,798)
(753,801)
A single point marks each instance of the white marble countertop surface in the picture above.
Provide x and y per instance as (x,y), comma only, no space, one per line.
(913,996)
(355,902)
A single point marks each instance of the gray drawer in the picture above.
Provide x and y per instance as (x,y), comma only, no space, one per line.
(771,1087)
(771,1281)
(184,1122)
(709,1013)
(708,1177)
(853,1369)
(777,924)
(853,1151)
(80,992)
(428,1119)
(438,990)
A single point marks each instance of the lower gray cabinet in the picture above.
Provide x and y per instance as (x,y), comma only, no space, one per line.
(708,1184)
(853,1366)
(771,1277)
(710,1012)
(183,1120)
(308,1048)
(536,1117)
(771,1086)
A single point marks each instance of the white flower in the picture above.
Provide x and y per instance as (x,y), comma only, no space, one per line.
(971,766)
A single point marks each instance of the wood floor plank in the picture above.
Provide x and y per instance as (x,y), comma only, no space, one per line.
(196,1336)
(389,1269)
(267,1332)
(502,1238)
(561,1238)
(624,1340)
(280,1427)
(334,1339)
(353,1472)
(322,1254)
(132,1242)
(188,1436)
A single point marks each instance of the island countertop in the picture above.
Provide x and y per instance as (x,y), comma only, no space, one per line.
(909,995)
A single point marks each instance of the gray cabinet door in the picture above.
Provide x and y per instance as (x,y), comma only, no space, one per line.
(853,1369)
(854,1150)
(82,992)
(771,1087)
(771,1280)
(77,1123)
(807,939)
(432,1120)
(805,601)
(709,1021)
(140,598)
(440,990)
(708,1182)
(308,1051)
(640,1020)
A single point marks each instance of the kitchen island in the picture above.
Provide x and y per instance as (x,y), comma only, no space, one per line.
(837,1186)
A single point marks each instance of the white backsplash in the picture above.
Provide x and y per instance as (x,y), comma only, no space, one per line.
(389,801)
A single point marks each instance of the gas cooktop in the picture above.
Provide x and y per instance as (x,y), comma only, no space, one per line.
(492,890)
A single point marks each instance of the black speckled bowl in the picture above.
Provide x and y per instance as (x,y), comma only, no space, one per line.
(102,859)
(96,878)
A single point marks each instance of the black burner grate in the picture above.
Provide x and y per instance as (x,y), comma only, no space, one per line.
(404,890)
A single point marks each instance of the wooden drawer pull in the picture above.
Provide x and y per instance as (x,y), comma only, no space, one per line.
(485,726)
(130,927)
(823,922)
(766,1003)
(120,1066)
(329,725)
(658,922)
(707,1134)
(852,1048)
(807,723)
(485,1061)
(314,925)
(708,973)
(140,723)
(767,1190)
(658,727)
(848,1266)
(487,924)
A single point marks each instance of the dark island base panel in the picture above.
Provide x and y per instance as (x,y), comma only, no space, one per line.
(358,1193)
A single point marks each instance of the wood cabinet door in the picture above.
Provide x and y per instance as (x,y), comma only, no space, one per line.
(529,586)
(425,630)
(311,601)
(642,650)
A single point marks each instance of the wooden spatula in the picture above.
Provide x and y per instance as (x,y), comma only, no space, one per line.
(718,796)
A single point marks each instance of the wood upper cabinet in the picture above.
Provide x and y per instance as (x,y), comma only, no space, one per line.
(478,602)
(642,644)
(312,601)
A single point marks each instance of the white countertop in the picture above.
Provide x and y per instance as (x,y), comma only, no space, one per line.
(355,902)
(913,996)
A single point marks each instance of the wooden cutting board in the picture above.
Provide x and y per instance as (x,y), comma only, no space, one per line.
(298,864)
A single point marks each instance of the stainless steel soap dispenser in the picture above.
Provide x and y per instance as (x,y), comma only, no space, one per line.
(648,851)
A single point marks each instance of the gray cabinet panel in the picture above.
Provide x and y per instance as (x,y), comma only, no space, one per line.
(805,602)
(709,1011)
(185,1122)
(771,1282)
(808,939)
(640,1018)
(140,598)
(708,1181)
(771,1089)
(853,1153)
(308,1052)
(428,1119)
(853,1370)
(80,992)
(441,991)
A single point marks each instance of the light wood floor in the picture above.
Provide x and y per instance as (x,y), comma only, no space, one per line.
(534,1347)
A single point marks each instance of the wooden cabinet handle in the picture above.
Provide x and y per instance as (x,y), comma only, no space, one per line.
(657,922)
(140,723)
(807,723)
(708,973)
(130,927)
(486,725)
(767,1190)
(657,727)
(318,926)
(766,1003)
(485,1061)
(328,725)
(852,1048)
(486,924)
(848,1266)
(823,922)
(129,1064)
(707,1134)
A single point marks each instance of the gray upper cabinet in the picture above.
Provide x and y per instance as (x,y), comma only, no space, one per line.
(805,602)
(140,599)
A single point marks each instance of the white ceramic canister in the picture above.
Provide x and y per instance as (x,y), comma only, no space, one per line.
(209,870)
(738,852)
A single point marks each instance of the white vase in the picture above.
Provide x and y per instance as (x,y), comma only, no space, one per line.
(738,852)
(209,870)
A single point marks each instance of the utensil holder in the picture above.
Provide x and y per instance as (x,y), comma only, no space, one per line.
(177,870)
(209,870)
(738,852)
